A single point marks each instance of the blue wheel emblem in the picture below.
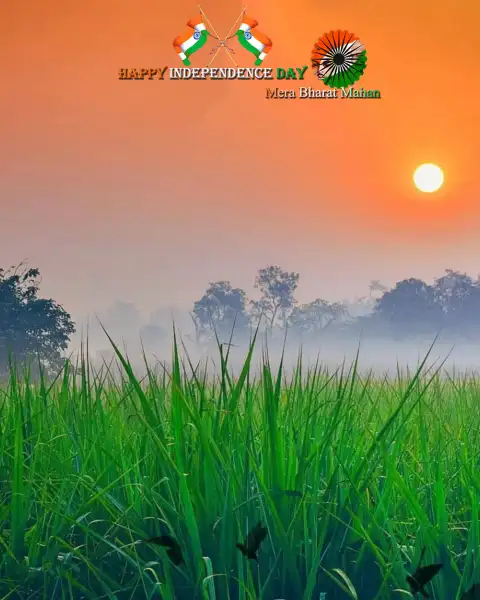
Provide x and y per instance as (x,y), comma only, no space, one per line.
(248,35)
(196,35)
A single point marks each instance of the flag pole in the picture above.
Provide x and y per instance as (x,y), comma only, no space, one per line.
(208,21)
(236,21)
(213,57)
(242,13)
(222,42)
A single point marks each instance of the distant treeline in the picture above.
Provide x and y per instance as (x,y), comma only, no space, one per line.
(412,308)
(33,326)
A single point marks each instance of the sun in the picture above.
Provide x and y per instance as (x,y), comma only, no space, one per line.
(428,178)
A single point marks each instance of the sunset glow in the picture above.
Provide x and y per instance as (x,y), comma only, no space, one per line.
(133,164)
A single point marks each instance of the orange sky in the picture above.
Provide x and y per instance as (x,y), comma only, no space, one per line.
(145,191)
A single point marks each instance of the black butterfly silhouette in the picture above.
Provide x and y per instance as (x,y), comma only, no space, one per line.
(473,593)
(422,576)
(174,551)
(251,545)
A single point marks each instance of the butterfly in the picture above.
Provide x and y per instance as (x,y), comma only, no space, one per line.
(422,576)
(251,545)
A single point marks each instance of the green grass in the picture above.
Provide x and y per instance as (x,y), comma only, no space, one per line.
(352,476)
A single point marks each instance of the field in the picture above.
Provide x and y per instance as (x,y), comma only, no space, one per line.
(352,475)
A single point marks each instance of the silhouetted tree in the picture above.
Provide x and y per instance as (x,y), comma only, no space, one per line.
(278,288)
(30,326)
(459,298)
(411,307)
(219,309)
(315,316)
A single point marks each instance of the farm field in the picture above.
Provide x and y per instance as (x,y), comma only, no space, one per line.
(351,475)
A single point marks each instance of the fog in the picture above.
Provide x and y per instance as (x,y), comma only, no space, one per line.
(137,335)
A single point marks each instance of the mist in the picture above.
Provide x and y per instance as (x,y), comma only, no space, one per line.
(151,337)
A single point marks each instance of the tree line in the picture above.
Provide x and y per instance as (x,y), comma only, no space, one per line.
(34,327)
(411,308)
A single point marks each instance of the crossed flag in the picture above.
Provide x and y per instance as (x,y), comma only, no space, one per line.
(196,37)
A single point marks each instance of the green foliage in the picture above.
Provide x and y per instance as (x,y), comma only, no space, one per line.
(352,477)
(30,327)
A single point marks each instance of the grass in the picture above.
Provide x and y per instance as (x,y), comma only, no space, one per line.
(352,475)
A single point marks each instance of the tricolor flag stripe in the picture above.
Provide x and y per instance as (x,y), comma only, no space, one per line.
(338,77)
(338,39)
(255,42)
(330,68)
(196,23)
(188,43)
(339,58)
(249,24)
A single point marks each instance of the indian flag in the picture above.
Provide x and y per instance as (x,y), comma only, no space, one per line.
(188,43)
(339,58)
(257,43)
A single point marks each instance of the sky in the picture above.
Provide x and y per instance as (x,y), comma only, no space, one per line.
(145,191)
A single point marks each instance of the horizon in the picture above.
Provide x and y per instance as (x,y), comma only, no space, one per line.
(158,222)
(91,160)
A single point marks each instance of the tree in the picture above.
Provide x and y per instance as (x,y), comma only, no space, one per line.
(411,307)
(459,298)
(278,288)
(315,316)
(30,326)
(218,310)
